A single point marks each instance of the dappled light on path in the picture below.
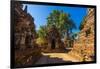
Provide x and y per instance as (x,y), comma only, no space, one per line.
(49,58)
(64,56)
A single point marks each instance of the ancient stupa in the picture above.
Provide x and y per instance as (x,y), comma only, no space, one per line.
(54,38)
(24,28)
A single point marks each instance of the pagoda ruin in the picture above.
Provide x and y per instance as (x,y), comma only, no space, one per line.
(84,44)
(24,28)
(54,39)
(26,49)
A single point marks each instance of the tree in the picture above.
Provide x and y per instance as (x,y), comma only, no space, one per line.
(53,18)
(61,21)
(42,33)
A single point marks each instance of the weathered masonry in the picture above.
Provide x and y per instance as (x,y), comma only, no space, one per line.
(24,28)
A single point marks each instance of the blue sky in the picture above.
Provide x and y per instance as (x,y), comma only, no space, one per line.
(41,12)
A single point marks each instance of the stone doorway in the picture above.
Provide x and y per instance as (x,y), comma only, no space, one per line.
(53,44)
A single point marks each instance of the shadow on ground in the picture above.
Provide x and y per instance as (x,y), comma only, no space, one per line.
(49,60)
(57,50)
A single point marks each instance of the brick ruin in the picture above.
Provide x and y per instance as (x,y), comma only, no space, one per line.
(26,49)
(54,39)
(25,33)
(84,45)
(54,42)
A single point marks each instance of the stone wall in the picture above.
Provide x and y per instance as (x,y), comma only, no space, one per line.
(26,50)
(24,28)
(84,45)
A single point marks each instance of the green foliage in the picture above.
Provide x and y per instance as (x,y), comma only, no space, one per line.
(42,31)
(61,20)
(41,41)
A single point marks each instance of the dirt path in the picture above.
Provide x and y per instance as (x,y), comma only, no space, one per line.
(56,58)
